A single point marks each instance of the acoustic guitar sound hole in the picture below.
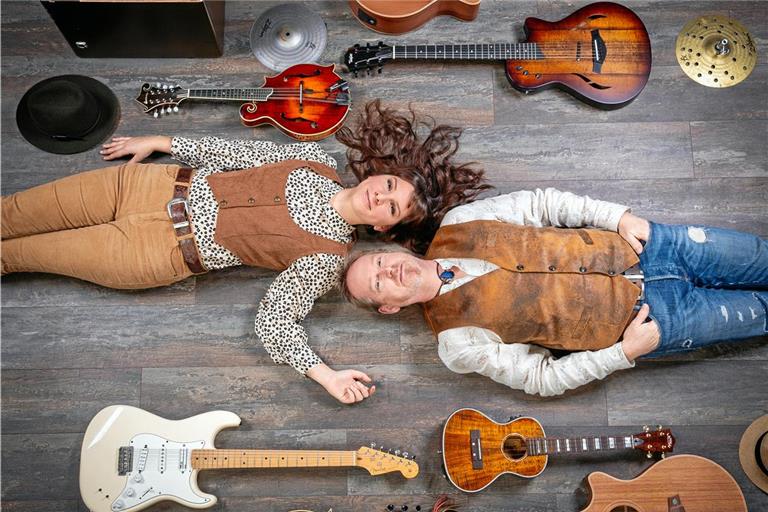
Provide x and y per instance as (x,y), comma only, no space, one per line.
(515,447)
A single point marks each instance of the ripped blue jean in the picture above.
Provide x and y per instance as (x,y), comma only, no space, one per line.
(704,285)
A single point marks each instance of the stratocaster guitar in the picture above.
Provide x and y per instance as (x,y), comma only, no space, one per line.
(132,459)
(601,54)
(682,483)
(398,16)
(477,450)
(306,101)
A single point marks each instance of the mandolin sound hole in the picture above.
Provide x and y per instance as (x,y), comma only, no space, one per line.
(515,447)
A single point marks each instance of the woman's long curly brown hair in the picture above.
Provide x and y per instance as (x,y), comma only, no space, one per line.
(385,141)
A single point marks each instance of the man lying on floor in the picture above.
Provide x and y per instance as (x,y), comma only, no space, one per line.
(507,278)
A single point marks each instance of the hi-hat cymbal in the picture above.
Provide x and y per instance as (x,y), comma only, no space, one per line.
(716,51)
(286,35)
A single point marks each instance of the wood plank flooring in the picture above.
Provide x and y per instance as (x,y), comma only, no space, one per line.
(679,153)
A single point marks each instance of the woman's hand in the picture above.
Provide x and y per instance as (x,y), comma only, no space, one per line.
(139,147)
(634,229)
(346,386)
(640,337)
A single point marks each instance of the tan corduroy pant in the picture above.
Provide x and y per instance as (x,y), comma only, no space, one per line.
(109,226)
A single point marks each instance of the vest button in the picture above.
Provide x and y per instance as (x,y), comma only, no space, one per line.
(222,203)
(582,269)
(251,200)
(552,268)
(611,273)
(520,267)
(277,199)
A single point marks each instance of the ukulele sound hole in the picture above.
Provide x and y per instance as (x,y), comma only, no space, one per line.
(624,508)
(515,447)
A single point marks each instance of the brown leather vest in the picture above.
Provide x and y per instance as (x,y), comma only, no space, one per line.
(254,222)
(558,288)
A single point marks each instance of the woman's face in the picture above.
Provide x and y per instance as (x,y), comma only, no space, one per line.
(383,201)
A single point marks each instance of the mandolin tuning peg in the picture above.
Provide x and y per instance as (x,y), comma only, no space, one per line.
(649,455)
(413,457)
(646,428)
(659,428)
(373,445)
(663,455)
(397,453)
(405,454)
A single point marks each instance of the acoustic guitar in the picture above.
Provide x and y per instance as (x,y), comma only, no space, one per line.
(601,54)
(478,450)
(306,101)
(398,16)
(132,459)
(682,483)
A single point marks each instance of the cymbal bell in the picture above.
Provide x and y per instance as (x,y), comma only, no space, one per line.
(288,34)
(716,51)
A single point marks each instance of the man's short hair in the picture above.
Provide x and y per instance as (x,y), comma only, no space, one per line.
(344,285)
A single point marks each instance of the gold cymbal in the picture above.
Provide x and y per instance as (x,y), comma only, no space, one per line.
(716,51)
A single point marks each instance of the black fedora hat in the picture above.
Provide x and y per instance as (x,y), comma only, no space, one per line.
(67,114)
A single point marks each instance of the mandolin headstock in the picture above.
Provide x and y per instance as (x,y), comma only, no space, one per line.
(160,99)
(650,441)
(378,462)
(365,58)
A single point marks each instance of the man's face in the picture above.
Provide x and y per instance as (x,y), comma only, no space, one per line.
(383,201)
(392,279)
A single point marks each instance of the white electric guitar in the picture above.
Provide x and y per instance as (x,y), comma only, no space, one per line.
(132,459)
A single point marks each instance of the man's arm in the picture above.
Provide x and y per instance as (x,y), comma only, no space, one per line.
(278,323)
(541,208)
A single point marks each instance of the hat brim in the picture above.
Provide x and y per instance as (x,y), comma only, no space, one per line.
(747,452)
(110,117)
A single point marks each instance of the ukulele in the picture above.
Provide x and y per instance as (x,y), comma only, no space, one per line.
(306,101)
(600,54)
(132,459)
(682,483)
(477,450)
(397,17)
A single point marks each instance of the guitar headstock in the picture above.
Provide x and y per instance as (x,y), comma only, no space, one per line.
(378,461)
(650,441)
(160,99)
(368,57)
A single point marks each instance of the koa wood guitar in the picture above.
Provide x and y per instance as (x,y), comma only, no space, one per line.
(477,450)
(398,16)
(682,483)
(306,101)
(132,459)
(601,54)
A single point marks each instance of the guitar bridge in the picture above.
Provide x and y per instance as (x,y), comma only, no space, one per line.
(476,448)
(124,460)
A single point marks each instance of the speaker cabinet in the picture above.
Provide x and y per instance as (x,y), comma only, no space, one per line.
(141,28)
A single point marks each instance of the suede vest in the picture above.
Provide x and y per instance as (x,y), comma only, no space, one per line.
(254,222)
(558,288)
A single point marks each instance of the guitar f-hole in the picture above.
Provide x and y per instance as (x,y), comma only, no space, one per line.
(299,119)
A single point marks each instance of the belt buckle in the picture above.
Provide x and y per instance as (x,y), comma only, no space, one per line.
(175,201)
(638,280)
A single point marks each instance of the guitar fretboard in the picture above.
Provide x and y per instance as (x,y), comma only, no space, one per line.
(554,445)
(490,51)
(254,94)
(224,459)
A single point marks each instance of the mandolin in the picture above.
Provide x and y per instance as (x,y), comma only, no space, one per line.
(682,483)
(306,101)
(477,450)
(600,54)
(132,459)
(399,16)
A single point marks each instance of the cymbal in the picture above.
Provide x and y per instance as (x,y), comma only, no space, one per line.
(716,51)
(288,34)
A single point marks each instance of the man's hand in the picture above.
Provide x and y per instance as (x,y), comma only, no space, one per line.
(640,337)
(346,386)
(634,229)
(139,147)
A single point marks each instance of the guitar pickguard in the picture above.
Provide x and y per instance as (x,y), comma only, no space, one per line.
(158,467)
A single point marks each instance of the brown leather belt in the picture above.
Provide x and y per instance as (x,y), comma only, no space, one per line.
(178,211)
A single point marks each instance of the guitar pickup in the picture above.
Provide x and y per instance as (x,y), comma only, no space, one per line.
(124,460)
(476,448)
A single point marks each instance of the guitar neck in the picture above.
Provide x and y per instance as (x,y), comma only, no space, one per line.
(472,51)
(558,445)
(230,459)
(240,95)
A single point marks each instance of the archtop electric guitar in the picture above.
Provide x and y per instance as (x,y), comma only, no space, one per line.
(132,459)
(478,450)
(601,54)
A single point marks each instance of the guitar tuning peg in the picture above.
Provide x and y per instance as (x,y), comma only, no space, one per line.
(162,111)
(413,457)
(158,85)
(373,445)
(405,454)
(381,448)
(379,69)
(155,114)
(357,46)
(397,453)
(175,108)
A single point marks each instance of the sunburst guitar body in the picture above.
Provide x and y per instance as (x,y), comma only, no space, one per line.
(683,483)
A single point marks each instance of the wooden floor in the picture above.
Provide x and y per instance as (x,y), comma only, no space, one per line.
(680,153)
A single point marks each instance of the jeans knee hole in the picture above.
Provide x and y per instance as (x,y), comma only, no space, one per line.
(687,343)
(698,235)
(764,303)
